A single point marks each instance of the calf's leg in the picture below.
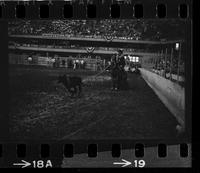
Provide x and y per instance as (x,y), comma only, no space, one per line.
(79,89)
(75,91)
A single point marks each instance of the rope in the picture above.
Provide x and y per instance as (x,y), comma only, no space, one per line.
(101,71)
(94,76)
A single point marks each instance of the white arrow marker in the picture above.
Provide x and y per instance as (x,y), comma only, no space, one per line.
(124,163)
(24,164)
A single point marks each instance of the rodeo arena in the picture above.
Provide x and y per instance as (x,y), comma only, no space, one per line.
(106,79)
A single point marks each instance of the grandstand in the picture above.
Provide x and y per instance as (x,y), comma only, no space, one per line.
(118,29)
(93,42)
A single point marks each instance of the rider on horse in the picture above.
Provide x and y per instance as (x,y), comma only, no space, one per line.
(118,73)
(114,72)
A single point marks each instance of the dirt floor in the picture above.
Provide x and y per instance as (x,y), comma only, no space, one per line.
(41,109)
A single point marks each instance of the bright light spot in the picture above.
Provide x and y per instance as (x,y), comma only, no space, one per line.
(29,58)
(177,46)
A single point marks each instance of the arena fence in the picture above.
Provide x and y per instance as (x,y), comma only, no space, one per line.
(169,92)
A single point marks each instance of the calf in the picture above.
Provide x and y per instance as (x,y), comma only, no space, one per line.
(72,83)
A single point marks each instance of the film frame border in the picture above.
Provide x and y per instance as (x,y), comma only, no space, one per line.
(7,16)
(138,9)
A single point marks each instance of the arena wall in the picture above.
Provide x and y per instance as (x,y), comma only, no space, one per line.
(38,59)
(170,93)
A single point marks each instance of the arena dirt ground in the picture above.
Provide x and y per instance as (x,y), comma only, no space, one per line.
(41,109)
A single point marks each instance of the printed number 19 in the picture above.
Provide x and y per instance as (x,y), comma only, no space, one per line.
(139,163)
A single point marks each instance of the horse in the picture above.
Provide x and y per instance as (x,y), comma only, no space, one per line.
(122,79)
(119,77)
(115,77)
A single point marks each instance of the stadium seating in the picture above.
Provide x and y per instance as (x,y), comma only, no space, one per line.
(121,29)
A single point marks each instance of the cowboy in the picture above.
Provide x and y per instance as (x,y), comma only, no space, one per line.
(114,72)
(121,59)
(122,79)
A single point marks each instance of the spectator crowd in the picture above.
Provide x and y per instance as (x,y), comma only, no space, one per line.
(121,29)
(172,69)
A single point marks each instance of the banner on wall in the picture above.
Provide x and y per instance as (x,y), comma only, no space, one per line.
(108,38)
(90,49)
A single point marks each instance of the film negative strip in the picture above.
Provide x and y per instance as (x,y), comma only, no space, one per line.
(95,83)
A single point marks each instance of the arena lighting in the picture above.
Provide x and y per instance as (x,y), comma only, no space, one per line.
(177,46)
(29,58)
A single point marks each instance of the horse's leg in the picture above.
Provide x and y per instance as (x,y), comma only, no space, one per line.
(118,83)
(70,92)
(118,79)
(122,80)
(113,83)
(126,80)
(74,91)
(79,89)
(66,91)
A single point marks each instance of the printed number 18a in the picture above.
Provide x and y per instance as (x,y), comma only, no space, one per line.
(42,164)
